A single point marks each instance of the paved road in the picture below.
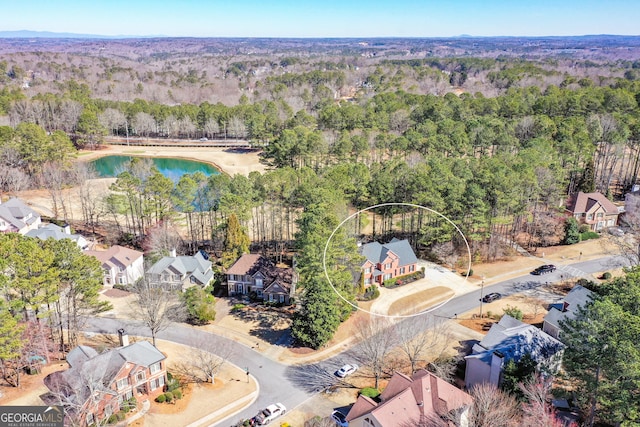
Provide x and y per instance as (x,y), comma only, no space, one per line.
(292,385)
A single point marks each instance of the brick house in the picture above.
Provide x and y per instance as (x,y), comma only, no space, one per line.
(255,273)
(120,265)
(414,400)
(593,209)
(97,385)
(387,261)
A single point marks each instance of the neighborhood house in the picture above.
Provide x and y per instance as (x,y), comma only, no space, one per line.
(593,209)
(181,272)
(411,401)
(510,339)
(52,231)
(17,217)
(255,273)
(566,309)
(121,266)
(97,385)
(384,262)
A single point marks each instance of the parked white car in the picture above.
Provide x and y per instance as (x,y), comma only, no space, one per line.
(346,370)
(270,413)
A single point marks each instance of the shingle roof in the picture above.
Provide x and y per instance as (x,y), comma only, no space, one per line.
(579,296)
(14,211)
(116,256)
(407,400)
(584,202)
(52,231)
(514,339)
(251,264)
(376,253)
(195,266)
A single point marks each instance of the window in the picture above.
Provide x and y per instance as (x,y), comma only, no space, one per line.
(89,418)
(259,292)
(412,268)
(367,281)
(387,266)
(155,368)
(122,383)
(402,270)
(281,298)
(128,395)
(367,270)
(156,383)
(270,297)
(259,283)
(140,376)
(599,214)
(590,216)
(387,276)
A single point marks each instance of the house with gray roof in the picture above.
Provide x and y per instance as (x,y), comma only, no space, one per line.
(17,217)
(181,272)
(566,309)
(387,261)
(510,339)
(97,385)
(52,231)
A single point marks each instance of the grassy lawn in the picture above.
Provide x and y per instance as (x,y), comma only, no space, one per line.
(420,301)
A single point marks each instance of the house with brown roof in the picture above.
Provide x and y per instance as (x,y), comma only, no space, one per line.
(97,385)
(409,401)
(256,273)
(121,265)
(593,209)
(386,261)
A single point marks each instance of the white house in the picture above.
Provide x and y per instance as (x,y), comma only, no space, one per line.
(17,217)
(122,266)
(52,231)
(510,339)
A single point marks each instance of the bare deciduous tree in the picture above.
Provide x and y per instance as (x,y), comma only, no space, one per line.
(537,412)
(156,307)
(421,336)
(492,407)
(205,361)
(376,338)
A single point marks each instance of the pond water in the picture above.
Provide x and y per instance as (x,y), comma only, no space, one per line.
(112,166)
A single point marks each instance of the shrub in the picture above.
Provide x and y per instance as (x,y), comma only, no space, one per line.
(371,392)
(514,312)
(168,396)
(468,273)
(161,399)
(371,293)
(584,228)
(237,307)
(588,235)
(606,276)
(177,394)
(172,383)
(112,419)
(120,415)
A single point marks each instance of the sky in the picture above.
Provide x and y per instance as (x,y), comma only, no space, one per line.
(327,18)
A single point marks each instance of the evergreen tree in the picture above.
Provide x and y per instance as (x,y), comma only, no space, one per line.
(319,316)
(236,241)
(571,231)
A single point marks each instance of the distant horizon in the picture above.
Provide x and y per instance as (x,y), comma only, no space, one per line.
(53,34)
(309,19)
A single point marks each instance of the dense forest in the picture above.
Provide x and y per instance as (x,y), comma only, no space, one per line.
(493,134)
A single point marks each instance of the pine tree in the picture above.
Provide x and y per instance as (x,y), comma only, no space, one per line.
(236,241)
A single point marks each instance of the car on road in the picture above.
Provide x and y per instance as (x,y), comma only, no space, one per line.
(491,297)
(544,269)
(204,139)
(346,370)
(339,418)
(270,413)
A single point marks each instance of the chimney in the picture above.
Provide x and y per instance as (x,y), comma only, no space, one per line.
(495,371)
(172,253)
(124,338)
(67,229)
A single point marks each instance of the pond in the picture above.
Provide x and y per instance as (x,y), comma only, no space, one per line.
(111,166)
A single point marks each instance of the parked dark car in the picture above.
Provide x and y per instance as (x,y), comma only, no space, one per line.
(491,297)
(544,269)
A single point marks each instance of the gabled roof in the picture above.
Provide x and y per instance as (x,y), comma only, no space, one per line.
(116,256)
(273,277)
(377,253)
(92,372)
(406,400)
(585,202)
(196,266)
(579,296)
(513,339)
(15,212)
(52,231)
